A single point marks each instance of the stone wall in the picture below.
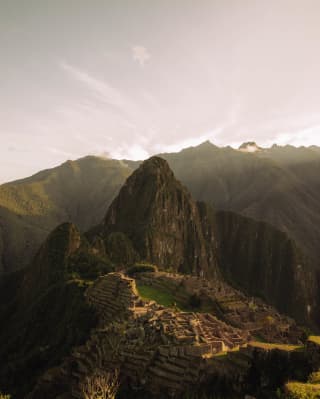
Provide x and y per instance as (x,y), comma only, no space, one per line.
(249,314)
(155,348)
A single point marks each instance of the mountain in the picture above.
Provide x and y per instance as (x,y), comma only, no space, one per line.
(77,191)
(159,217)
(250,146)
(279,185)
(44,310)
(264,262)
(68,313)
(159,222)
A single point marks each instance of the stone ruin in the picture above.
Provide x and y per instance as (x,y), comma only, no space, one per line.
(155,348)
(249,314)
(115,297)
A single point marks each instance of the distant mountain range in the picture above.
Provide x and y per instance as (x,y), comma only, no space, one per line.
(278,185)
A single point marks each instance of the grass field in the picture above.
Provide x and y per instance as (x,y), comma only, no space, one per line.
(162,297)
(297,390)
(269,346)
(315,339)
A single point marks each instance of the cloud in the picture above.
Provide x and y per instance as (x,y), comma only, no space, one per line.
(304,137)
(141,55)
(101,89)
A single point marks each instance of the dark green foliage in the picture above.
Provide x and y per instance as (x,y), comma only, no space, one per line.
(271,370)
(45,312)
(76,191)
(140,268)
(38,335)
(86,265)
(120,249)
(195,301)
(161,296)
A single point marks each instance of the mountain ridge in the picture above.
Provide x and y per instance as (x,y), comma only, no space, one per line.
(276,185)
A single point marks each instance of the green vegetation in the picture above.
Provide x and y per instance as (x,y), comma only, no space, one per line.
(167,297)
(39,334)
(4,396)
(141,268)
(281,347)
(120,249)
(77,191)
(88,266)
(195,301)
(297,390)
(49,314)
(162,297)
(314,378)
(315,339)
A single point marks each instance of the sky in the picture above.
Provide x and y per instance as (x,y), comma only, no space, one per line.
(132,78)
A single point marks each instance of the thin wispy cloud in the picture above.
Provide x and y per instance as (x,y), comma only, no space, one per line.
(158,80)
(101,89)
(140,54)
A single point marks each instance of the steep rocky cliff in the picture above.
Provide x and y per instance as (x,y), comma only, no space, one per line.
(162,221)
(263,261)
(157,215)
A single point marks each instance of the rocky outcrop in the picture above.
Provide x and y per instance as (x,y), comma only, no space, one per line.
(264,262)
(160,218)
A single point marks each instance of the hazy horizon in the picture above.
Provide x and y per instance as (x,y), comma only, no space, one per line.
(173,150)
(133,79)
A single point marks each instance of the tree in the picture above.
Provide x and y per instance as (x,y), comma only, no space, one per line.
(100,385)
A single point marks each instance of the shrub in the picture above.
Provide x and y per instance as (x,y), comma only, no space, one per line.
(100,385)
(297,390)
(195,301)
(88,266)
(314,378)
(141,268)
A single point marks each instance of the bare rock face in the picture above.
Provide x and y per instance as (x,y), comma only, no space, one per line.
(266,262)
(159,216)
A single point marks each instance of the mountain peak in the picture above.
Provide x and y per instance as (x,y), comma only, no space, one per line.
(206,143)
(155,163)
(250,146)
(159,217)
